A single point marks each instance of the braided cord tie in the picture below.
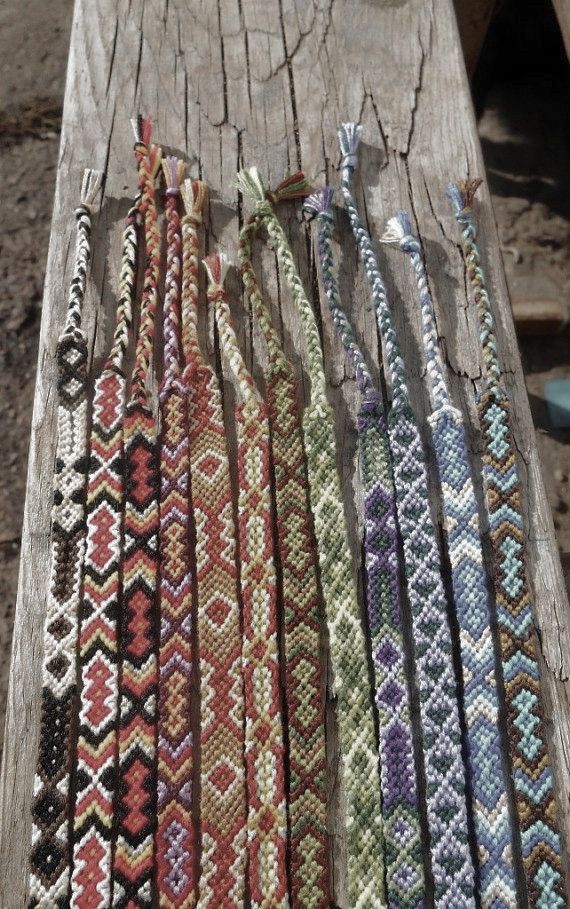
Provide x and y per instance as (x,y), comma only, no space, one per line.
(471,599)
(98,614)
(264,748)
(133,859)
(222,740)
(347,643)
(50,858)
(445,773)
(175,836)
(298,560)
(532,772)
(404,865)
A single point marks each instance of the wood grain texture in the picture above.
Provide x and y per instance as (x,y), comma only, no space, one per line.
(266,82)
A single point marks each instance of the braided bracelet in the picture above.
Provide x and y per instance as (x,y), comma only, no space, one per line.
(533,778)
(98,615)
(404,865)
(445,774)
(50,858)
(222,741)
(264,750)
(471,600)
(307,797)
(347,643)
(175,836)
(133,859)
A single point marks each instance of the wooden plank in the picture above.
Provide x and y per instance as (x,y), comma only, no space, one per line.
(267,82)
(473,20)
(562,9)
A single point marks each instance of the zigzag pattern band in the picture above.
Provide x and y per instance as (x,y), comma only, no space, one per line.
(175,837)
(404,865)
(135,806)
(452,866)
(222,741)
(50,859)
(264,748)
(302,605)
(98,644)
(365,882)
(531,768)
(471,599)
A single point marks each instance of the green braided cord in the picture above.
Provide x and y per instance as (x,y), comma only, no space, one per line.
(365,881)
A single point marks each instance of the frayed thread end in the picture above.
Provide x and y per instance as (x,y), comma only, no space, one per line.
(399,232)
(142,128)
(461,195)
(349,135)
(90,186)
(194,194)
(250,184)
(216,266)
(174,170)
(319,203)
(293,187)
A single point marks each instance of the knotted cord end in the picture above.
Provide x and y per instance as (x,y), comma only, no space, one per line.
(90,186)
(174,170)
(194,194)
(250,184)
(399,231)
(295,186)
(319,203)
(461,195)
(216,266)
(349,135)
(142,128)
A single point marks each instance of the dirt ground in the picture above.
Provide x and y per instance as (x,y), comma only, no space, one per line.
(521,97)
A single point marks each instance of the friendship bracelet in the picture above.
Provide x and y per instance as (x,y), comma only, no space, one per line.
(404,864)
(133,859)
(471,600)
(99,609)
(365,879)
(307,797)
(445,774)
(532,772)
(222,742)
(175,836)
(50,859)
(264,749)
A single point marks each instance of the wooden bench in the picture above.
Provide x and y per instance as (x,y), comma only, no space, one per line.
(267,82)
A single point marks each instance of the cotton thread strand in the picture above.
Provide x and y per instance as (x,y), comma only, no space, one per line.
(99,610)
(530,760)
(264,748)
(222,739)
(452,866)
(176,835)
(50,859)
(471,599)
(136,808)
(404,865)
(365,876)
(302,607)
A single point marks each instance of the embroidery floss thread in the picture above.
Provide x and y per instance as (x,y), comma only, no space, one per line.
(50,859)
(264,749)
(348,647)
(99,610)
(135,805)
(532,772)
(222,741)
(471,598)
(404,865)
(298,560)
(445,774)
(175,836)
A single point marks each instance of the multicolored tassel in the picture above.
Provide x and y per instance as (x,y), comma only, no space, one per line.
(348,647)
(452,866)
(532,772)
(50,859)
(404,865)
(135,806)
(264,749)
(99,611)
(302,607)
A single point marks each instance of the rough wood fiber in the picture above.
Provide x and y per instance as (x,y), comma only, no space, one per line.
(267,82)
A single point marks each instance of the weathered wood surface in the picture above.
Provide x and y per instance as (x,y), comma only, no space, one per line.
(562,8)
(266,82)
(473,20)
